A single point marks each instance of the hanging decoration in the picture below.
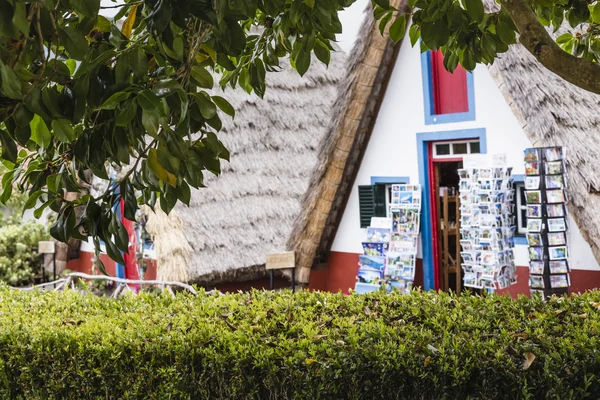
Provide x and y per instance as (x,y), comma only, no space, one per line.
(487,224)
(545,184)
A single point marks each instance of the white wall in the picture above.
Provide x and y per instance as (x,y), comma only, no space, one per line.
(392,150)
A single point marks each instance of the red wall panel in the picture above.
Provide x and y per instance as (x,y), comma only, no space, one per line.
(450,94)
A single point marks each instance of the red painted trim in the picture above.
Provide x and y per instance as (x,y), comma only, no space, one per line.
(442,160)
(434,218)
(450,92)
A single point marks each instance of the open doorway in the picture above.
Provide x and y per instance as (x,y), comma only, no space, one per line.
(446,158)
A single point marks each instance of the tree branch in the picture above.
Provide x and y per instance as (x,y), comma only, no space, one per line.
(537,41)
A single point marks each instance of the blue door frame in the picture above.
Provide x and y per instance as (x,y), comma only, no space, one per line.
(423,139)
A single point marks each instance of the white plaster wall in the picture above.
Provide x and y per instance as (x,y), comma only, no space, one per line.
(392,150)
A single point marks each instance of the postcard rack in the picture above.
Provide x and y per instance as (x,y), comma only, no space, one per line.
(487,226)
(390,251)
(545,184)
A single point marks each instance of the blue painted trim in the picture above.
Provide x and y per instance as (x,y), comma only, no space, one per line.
(518,178)
(423,157)
(430,117)
(520,240)
(402,180)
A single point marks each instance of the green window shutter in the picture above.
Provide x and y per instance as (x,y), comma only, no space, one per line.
(371,200)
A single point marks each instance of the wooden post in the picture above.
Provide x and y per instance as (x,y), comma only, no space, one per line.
(285,260)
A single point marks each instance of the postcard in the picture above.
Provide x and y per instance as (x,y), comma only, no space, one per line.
(380,222)
(559,267)
(466,257)
(378,234)
(531,155)
(559,281)
(557,238)
(536,281)
(553,154)
(370,276)
(554,182)
(408,273)
(532,182)
(464,174)
(533,197)
(554,168)
(534,211)
(532,168)
(470,280)
(466,245)
(555,210)
(372,262)
(485,173)
(557,253)
(555,196)
(536,267)
(535,240)
(534,225)
(362,288)
(536,253)
(374,249)
(557,225)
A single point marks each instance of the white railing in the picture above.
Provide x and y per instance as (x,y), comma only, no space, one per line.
(61,284)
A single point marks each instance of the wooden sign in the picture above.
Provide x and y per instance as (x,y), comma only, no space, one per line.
(46,247)
(281,260)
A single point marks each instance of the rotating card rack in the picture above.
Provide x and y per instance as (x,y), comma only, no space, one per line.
(545,185)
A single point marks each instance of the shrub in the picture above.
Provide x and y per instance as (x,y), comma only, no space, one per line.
(19,259)
(302,346)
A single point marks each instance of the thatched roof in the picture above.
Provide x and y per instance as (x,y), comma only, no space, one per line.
(248,211)
(355,112)
(551,111)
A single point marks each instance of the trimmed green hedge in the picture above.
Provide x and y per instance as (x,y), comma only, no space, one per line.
(305,346)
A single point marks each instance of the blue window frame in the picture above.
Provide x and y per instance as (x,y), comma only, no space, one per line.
(430,117)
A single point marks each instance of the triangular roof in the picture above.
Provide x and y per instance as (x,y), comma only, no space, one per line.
(550,110)
(248,211)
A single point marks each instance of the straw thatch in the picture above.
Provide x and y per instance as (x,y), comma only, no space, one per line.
(248,211)
(552,112)
(354,114)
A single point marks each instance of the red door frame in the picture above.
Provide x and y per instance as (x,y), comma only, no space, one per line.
(434,209)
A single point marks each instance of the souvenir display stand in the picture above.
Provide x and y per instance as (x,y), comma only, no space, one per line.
(487,224)
(390,251)
(545,184)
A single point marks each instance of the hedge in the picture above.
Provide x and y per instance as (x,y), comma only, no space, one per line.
(309,345)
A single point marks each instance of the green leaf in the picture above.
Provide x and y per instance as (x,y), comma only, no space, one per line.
(63,130)
(19,18)
(87,8)
(505,33)
(184,194)
(224,105)
(208,109)
(322,52)
(398,28)
(310,3)
(564,38)
(475,9)
(74,41)
(596,14)
(9,148)
(150,102)
(414,34)
(151,122)
(202,77)
(384,22)
(127,113)
(32,200)
(11,84)
(385,4)
(39,132)
(113,101)
(102,24)
(160,171)
(302,61)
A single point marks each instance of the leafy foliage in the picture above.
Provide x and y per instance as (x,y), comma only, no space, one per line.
(19,259)
(468,34)
(78,93)
(305,345)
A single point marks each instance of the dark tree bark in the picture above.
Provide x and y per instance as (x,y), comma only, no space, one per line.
(536,39)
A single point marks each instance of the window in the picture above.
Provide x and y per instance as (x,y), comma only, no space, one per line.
(375,200)
(453,149)
(449,90)
(520,209)
(448,96)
